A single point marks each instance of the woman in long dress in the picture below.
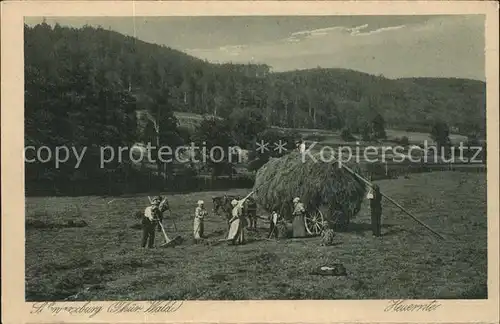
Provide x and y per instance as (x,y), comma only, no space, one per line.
(298,225)
(236,233)
(199,216)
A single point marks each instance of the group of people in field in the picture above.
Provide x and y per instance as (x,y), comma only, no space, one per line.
(237,219)
(237,211)
(153,218)
(236,222)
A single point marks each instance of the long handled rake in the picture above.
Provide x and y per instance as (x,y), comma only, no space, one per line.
(167,239)
(172,219)
(368,183)
(272,232)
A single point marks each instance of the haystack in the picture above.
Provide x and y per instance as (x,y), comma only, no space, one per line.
(319,184)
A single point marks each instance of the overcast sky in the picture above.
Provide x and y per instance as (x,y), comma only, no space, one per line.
(395,46)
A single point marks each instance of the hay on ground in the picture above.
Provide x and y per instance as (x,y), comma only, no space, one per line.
(316,183)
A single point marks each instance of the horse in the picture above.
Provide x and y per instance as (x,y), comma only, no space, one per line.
(223,203)
(250,211)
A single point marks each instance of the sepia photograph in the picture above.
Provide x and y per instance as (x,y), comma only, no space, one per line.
(175,160)
(230,158)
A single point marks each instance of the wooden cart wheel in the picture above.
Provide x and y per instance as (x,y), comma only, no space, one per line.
(314,222)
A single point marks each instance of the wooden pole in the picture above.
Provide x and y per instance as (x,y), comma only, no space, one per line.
(413,217)
(242,201)
(247,196)
(394,202)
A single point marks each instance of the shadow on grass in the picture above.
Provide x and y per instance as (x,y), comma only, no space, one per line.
(395,231)
(366,229)
(216,233)
(248,240)
(333,244)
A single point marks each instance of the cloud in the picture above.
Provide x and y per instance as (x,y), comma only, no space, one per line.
(292,39)
(233,50)
(315,33)
(298,36)
(229,48)
(319,31)
(378,31)
(354,31)
(424,48)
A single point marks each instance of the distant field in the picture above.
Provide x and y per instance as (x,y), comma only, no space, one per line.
(330,137)
(405,263)
(417,138)
(187,115)
(188,120)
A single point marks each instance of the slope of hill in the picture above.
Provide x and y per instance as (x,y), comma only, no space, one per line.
(409,104)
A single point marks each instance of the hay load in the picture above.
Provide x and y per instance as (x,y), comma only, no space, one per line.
(319,185)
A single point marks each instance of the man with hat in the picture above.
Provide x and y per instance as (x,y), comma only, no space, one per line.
(376,210)
(149,222)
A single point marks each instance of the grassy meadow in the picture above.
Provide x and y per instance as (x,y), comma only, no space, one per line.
(104,260)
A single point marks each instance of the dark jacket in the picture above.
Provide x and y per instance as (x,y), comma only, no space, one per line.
(376,201)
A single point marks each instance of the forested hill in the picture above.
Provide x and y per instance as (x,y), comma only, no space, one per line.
(72,69)
(408,103)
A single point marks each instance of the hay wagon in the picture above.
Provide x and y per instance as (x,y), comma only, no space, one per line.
(330,193)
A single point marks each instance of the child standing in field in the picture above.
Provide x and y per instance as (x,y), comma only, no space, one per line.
(273,225)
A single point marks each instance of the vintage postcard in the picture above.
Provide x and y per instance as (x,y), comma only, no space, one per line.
(250,162)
